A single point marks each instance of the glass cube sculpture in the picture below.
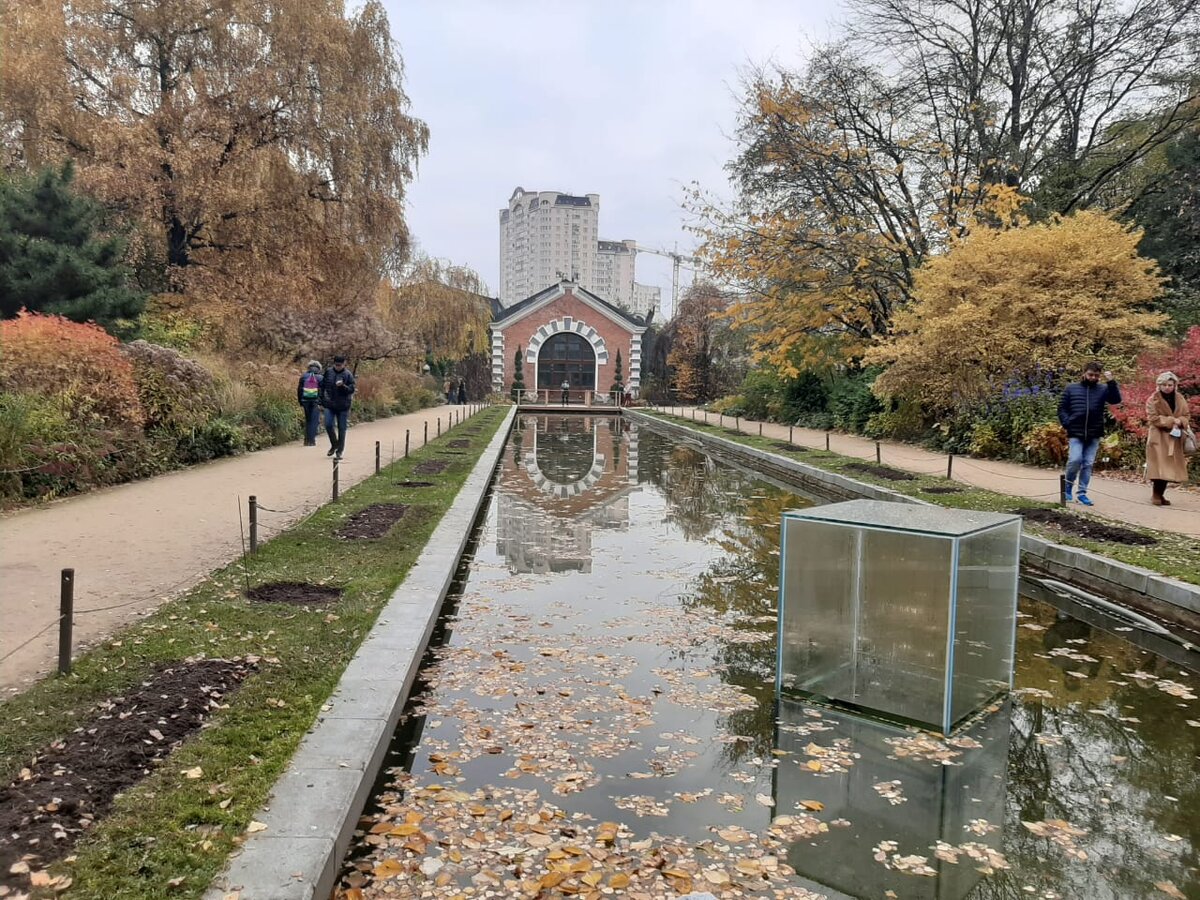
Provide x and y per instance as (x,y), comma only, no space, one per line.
(909,789)
(902,610)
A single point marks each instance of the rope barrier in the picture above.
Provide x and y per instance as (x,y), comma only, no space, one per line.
(24,644)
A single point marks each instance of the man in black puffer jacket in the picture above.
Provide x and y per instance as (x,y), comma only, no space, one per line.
(1081,412)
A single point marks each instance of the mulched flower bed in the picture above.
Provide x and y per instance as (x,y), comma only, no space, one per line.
(1087,528)
(372,522)
(941,490)
(880,471)
(431,467)
(784,445)
(461,442)
(413,484)
(297,593)
(70,785)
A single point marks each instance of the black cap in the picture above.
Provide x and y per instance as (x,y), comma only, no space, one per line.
(339,359)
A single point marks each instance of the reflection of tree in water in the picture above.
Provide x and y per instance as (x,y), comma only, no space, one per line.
(700,492)
(1145,761)
(740,589)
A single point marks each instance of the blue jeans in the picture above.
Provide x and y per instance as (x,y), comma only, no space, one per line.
(337,440)
(312,420)
(1079,462)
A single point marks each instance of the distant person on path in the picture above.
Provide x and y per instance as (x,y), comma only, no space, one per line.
(337,390)
(566,391)
(628,395)
(1168,420)
(1081,412)
(448,389)
(308,394)
(462,391)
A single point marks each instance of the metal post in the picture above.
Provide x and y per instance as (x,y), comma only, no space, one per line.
(950,467)
(706,417)
(377,457)
(737,424)
(826,441)
(66,610)
(1062,490)
(335,478)
(406,443)
(439,428)
(253,524)
(878,453)
(426,441)
(760,429)
(790,434)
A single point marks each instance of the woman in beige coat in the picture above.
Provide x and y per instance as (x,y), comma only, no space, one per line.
(1166,412)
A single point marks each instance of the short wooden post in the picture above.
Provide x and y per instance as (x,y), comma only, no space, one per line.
(826,441)
(790,434)
(66,611)
(878,453)
(760,429)
(1062,490)
(377,457)
(426,441)
(253,524)
(950,467)
(406,443)
(335,477)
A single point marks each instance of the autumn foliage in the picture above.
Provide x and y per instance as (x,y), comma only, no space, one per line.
(1183,360)
(80,366)
(1013,304)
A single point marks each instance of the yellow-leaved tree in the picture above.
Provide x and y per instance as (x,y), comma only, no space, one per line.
(1004,305)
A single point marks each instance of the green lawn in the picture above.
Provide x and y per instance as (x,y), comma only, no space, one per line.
(170,835)
(1175,555)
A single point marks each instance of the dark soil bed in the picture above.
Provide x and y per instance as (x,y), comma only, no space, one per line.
(460,442)
(373,522)
(784,445)
(413,484)
(880,471)
(431,467)
(70,785)
(297,593)
(941,490)
(1087,528)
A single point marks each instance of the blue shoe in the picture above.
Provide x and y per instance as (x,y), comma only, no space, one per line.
(1084,501)
(1067,497)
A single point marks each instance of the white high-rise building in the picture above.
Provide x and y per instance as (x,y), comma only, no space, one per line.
(647,298)
(546,236)
(614,272)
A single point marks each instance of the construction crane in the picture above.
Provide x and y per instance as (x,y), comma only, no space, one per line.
(676,260)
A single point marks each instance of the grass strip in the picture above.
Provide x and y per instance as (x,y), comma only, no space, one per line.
(1175,555)
(171,834)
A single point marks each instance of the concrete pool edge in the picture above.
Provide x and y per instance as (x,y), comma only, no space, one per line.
(314,806)
(1141,589)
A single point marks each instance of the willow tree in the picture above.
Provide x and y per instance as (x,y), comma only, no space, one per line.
(442,307)
(264,144)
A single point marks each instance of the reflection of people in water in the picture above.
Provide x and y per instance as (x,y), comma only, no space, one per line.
(1059,635)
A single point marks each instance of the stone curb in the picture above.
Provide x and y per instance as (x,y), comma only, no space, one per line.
(1140,588)
(315,805)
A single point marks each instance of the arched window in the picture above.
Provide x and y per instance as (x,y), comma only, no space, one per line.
(567,357)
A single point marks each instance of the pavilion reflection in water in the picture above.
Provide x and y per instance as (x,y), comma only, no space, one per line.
(958,801)
(562,477)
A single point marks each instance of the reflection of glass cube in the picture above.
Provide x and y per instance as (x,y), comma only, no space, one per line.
(911,789)
(902,610)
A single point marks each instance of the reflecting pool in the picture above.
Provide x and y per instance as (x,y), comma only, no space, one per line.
(598,718)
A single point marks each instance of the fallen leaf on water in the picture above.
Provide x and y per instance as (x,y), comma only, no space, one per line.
(389,868)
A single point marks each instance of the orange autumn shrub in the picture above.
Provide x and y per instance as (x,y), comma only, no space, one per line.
(79,366)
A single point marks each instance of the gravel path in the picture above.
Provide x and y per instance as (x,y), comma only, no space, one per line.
(135,545)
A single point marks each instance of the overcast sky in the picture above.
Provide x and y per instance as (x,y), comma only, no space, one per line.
(628,99)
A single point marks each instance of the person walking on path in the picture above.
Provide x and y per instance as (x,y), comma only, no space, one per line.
(1081,412)
(308,394)
(566,391)
(1168,420)
(337,391)
(462,392)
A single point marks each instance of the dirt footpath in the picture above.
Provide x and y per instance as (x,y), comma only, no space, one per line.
(1127,502)
(135,545)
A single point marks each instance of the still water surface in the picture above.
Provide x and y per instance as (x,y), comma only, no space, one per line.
(610,661)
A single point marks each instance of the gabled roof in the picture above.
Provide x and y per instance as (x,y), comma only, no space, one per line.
(547,296)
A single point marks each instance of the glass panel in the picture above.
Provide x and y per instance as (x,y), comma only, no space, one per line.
(985,617)
(816,620)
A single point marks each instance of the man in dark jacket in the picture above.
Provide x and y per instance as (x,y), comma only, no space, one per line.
(1081,412)
(337,389)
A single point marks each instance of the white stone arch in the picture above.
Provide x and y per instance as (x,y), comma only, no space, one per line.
(562,491)
(557,326)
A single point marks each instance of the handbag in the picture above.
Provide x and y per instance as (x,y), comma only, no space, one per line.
(1189,443)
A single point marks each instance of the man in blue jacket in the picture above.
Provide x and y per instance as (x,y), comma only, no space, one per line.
(1081,412)
(337,389)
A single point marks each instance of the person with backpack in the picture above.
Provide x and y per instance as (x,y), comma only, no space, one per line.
(337,390)
(1081,413)
(308,395)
